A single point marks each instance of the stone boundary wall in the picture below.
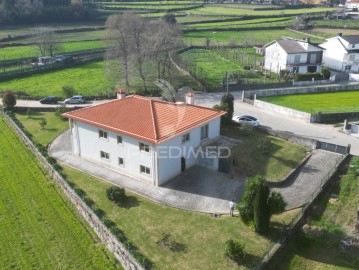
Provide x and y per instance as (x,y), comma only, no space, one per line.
(113,245)
(301,90)
(284,110)
(317,82)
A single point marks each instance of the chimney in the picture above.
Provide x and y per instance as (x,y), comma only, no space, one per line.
(340,34)
(120,94)
(190,98)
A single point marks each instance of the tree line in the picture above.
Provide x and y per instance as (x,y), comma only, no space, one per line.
(42,11)
(139,47)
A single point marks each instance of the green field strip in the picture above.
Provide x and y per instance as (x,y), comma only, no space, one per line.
(43,232)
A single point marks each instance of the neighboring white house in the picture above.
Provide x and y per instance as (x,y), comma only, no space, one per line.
(352,4)
(144,138)
(296,56)
(342,53)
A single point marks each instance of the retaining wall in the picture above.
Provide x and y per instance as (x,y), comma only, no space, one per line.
(302,90)
(113,245)
(284,110)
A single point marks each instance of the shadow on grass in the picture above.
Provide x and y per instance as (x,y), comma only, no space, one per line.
(249,261)
(131,201)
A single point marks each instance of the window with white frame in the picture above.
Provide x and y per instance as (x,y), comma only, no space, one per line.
(185,137)
(144,147)
(119,139)
(348,68)
(121,162)
(352,57)
(102,134)
(104,155)
(204,132)
(145,170)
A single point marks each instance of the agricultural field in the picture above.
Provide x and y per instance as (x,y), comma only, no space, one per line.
(212,66)
(232,11)
(322,102)
(249,38)
(10,53)
(39,227)
(333,221)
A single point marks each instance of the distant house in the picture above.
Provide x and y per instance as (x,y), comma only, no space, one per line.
(352,4)
(147,139)
(296,56)
(342,53)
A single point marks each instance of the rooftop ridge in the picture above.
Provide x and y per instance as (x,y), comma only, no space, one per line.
(153,119)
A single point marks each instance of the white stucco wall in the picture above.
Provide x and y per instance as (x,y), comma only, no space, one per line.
(164,159)
(275,58)
(333,55)
(90,146)
(170,152)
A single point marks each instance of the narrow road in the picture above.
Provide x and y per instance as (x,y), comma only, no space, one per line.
(273,120)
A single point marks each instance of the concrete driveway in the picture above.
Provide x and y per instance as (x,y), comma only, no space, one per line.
(198,189)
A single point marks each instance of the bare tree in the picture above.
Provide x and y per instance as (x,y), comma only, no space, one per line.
(46,41)
(164,39)
(120,42)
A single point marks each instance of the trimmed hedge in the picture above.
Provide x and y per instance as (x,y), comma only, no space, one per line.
(308,76)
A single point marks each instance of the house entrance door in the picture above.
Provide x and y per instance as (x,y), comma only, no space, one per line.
(183,164)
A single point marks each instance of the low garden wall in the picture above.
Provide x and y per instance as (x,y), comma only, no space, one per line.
(113,245)
(301,90)
(315,82)
(284,110)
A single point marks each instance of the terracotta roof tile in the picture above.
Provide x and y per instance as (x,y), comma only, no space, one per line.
(144,118)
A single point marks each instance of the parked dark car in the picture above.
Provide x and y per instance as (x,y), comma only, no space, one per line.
(49,100)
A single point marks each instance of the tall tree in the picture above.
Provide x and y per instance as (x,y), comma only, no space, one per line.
(46,41)
(261,212)
(120,42)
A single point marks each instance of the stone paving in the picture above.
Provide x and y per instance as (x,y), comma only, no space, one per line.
(200,189)
(197,189)
(297,190)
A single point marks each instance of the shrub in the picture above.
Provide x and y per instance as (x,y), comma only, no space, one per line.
(308,76)
(9,100)
(325,73)
(225,119)
(60,110)
(68,90)
(29,113)
(43,123)
(234,250)
(246,67)
(261,215)
(228,99)
(276,203)
(116,194)
(265,146)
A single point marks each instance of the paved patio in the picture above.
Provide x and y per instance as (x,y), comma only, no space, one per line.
(197,189)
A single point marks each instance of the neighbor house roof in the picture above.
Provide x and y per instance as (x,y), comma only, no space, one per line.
(291,46)
(147,119)
(353,39)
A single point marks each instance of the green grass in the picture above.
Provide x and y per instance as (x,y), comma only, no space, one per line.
(338,219)
(238,11)
(254,37)
(31,51)
(322,102)
(202,236)
(53,128)
(89,79)
(213,65)
(275,166)
(39,228)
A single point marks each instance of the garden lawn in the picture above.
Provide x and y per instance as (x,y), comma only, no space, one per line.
(321,102)
(337,219)
(275,166)
(201,237)
(39,228)
(53,128)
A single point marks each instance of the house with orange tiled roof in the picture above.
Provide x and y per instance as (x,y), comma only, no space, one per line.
(147,139)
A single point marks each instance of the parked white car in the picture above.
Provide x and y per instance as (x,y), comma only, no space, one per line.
(75,100)
(246,119)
